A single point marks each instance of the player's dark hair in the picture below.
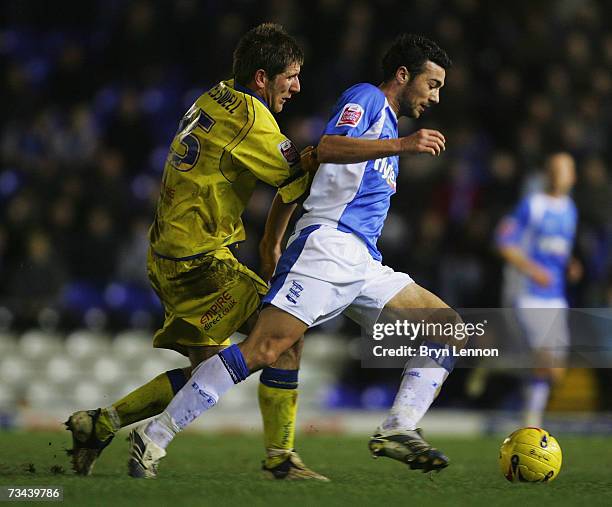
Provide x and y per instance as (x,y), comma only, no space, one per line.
(266,47)
(412,51)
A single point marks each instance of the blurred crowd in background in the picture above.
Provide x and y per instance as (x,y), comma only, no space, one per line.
(92,93)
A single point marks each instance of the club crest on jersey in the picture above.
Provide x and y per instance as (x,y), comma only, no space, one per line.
(350,116)
(289,152)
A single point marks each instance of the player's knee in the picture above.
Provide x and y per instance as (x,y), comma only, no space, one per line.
(260,351)
(462,334)
(445,318)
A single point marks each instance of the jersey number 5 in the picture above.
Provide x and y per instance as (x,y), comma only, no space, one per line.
(185,148)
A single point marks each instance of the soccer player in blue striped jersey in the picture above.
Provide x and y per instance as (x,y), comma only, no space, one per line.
(536,241)
(332,264)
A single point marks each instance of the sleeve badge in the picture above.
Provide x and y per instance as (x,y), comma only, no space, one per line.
(350,116)
(289,152)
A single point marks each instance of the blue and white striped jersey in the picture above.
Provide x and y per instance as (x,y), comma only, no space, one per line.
(356,197)
(543,227)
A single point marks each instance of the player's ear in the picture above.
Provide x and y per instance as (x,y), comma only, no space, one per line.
(260,78)
(402,75)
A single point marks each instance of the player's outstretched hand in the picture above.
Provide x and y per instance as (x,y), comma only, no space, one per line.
(308,159)
(424,141)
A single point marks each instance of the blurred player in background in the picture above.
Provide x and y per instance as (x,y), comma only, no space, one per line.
(536,241)
(332,265)
(226,142)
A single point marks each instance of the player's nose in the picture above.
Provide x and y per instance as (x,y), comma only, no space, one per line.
(435,96)
(295,85)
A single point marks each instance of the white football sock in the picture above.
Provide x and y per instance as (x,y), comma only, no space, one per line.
(162,429)
(208,382)
(536,398)
(416,393)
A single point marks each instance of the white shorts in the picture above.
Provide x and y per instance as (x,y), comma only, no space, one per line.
(325,272)
(545,323)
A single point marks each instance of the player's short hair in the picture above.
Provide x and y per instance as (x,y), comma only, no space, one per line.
(412,51)
(266,47)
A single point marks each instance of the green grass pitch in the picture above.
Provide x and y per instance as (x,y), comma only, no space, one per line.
(224,470)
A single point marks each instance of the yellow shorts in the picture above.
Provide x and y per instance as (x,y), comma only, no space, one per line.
(205,299)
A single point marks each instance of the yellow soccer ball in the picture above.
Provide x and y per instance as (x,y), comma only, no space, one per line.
(530,455)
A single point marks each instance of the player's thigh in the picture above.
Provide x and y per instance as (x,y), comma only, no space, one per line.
(390,295)
(275,332)
(414,297)
(416,303)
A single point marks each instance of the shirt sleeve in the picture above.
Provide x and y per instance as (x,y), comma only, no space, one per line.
(273,158)
(357,109)
(511,228)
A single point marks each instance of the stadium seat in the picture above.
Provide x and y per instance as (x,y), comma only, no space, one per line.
(8,343)
(84,343)
(107,370)
(14,369)
(61,369)
(37,344)
(131,345)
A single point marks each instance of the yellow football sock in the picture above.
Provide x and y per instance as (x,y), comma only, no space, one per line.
(146,401)
(278,406)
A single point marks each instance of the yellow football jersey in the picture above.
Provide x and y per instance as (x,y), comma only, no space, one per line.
(225,142)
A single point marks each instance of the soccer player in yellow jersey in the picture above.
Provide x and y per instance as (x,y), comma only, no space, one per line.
(227,141)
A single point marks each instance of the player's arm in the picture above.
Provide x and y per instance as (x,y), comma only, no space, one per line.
(275,160)
(344,149)
(279,215)
(271,242)
(514,255)
(508,240)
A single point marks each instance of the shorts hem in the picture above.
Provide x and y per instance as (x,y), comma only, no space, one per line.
(384,302)
(291,311)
